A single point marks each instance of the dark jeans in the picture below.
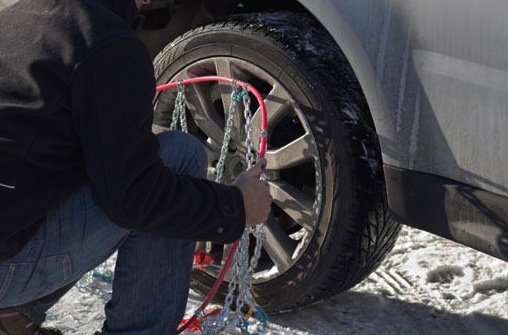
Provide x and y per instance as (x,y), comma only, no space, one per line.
(152,273)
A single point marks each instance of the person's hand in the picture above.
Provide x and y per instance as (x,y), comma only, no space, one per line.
(256,194)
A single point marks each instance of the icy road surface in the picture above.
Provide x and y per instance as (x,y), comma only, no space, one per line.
(427,285)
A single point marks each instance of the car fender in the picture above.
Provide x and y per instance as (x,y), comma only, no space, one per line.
(372,37)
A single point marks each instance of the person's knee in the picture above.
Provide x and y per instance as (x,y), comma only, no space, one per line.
(183,153)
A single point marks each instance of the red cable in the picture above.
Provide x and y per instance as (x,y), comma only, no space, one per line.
(262,152)
(215,287)
(249,87)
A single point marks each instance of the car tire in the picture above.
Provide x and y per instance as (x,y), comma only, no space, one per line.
(330,226)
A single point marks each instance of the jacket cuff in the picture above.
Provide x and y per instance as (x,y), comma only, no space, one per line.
(230,224)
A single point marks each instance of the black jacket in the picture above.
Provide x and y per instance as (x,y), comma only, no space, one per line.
(76,90)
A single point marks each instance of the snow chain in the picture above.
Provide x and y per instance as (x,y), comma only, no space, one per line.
(229,320)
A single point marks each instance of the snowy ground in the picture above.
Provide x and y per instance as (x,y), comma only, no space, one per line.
(427,285)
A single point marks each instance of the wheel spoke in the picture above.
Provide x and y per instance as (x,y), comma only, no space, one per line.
(223,68)
(277,105)
(238,124)
(298,151)
(279,246)
(164,106)
(204,114)
(156,129)
(295,203)
(212,151)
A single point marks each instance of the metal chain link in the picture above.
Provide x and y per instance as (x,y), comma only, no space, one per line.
(247,113)
(179,113)
(258,231)
(228,129)
(243,266)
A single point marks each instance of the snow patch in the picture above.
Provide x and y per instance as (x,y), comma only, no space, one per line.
(396,299)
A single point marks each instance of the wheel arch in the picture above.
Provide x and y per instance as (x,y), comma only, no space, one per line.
(342,19)
(345,21)
(332,16)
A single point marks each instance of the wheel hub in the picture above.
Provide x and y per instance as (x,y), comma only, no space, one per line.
(233,167)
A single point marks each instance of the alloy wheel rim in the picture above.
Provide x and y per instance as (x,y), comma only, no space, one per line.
(293,165)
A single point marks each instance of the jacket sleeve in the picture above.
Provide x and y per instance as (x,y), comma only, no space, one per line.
(111,96)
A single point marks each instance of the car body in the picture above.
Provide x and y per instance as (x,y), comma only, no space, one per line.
(435,75)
